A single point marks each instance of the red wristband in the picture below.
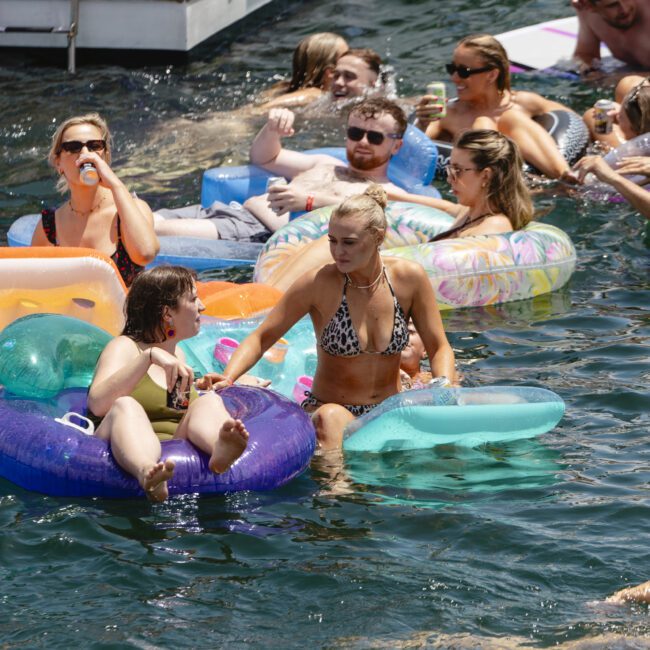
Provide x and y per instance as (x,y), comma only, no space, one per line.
(309,206)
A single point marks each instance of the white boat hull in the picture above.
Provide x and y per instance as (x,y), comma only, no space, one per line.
(175,25)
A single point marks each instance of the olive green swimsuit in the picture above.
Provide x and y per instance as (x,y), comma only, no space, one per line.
(153,399)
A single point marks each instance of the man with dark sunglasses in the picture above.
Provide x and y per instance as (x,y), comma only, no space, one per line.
(373,135)
(623,25)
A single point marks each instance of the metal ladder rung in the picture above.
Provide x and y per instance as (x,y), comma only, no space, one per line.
(70,31)
(36,30)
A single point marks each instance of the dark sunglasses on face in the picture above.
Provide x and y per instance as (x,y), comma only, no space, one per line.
(75,146)
(463,71)
(374,137)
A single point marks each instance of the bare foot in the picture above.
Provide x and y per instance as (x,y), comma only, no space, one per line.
(155,481)
(229,446)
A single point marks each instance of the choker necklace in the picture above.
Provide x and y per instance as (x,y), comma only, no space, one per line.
(366,286)
(81,213)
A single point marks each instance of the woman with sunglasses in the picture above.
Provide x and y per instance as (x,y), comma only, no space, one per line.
(100,212)
(480,71)
(360,307)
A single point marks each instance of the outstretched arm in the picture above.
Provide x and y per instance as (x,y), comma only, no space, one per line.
(267,150)
(397,194)
(638,197)
(295,303)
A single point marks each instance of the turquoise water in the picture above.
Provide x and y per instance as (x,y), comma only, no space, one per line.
(499,545)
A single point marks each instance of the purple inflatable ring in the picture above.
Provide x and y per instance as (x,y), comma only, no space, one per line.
(40,454)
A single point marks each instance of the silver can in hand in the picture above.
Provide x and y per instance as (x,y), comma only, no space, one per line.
(275,180)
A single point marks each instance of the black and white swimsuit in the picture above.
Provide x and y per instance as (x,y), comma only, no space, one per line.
(340,339)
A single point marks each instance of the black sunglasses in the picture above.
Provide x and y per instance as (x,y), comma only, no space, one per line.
(75,146)
(464,72)
(374,137)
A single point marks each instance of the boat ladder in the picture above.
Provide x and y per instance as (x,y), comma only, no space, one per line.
(69,30)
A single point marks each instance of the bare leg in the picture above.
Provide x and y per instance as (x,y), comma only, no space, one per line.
(203,228)
(208,426)
(638,594)
(329,421)
(537,147)
(310,256)
(136,447)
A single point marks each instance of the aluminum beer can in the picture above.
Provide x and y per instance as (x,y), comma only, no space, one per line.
(275,180)
(603,121)
(438,89)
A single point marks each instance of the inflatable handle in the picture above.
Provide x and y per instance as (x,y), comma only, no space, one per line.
(88,429)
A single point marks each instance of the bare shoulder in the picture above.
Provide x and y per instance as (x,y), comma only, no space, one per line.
(122,347)
(404,271)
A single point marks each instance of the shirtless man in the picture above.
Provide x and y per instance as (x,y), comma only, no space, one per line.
(623,25)
(374,135)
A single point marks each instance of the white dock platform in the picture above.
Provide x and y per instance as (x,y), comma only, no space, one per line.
(175,25)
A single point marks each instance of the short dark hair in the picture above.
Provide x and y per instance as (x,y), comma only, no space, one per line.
(152,291)
(368,56)
(375,106)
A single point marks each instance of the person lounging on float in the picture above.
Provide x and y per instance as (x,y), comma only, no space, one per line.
(105,215)
(360,306)
(481,72)
(374,134)
(485,175)
(139,369)
(631,116)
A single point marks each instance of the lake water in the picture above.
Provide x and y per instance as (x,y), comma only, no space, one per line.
(500,546)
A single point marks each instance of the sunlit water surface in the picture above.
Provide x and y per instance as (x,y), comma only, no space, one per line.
(498,546)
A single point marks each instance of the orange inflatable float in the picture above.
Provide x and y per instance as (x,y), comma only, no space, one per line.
(85,284)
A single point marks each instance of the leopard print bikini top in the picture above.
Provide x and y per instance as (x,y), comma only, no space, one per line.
(340,340)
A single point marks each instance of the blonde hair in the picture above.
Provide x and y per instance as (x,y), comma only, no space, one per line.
(369,206)
(313,56)
(494,55)
(507,191)
(96,120)
(637,107)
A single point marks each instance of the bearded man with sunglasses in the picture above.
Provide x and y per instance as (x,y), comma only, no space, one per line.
(374,134)
(623,25)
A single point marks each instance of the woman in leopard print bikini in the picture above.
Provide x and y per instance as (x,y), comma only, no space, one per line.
(360,307)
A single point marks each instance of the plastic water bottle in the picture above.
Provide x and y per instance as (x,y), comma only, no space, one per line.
(88,174)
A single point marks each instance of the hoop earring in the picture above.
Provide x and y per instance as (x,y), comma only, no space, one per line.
(170,332)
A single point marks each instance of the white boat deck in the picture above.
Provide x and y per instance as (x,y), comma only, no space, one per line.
(176,25)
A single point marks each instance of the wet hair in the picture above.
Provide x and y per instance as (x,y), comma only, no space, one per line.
(152,291)
(637,107)
(372,60)
(375,106)
(370,206)
(493,54)
(96,120)
(507,191)
(313,56)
